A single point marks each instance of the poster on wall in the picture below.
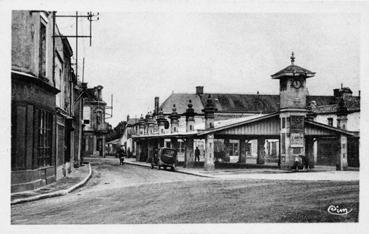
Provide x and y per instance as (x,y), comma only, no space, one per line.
(297,123)
(297,140)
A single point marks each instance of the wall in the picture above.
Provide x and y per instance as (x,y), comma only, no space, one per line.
(25,42)
(27,99)
(33,90)
(353,120)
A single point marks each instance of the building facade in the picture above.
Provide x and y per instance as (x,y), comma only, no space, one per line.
(42,103)
(95,127)
(183,120)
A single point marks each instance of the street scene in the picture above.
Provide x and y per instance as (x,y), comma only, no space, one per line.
(132,194)
(184,118)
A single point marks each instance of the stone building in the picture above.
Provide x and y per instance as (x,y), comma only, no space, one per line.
(67,125)
(190,116)
(130,129)
(42,102)
(95,127)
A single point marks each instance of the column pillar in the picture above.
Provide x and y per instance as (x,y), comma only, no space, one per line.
(315,148)
(150,151)
(261,151)
(189,153)
(226,148)
(103,146)
(94,148)
(341,164)
(309,153)
(209,153)
(242,158)
(138,150)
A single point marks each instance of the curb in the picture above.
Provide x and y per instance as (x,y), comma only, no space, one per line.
(178,171)
(56,193)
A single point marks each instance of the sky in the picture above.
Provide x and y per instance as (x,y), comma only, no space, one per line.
(137,56)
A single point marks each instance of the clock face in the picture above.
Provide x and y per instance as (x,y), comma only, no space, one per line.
(296,84)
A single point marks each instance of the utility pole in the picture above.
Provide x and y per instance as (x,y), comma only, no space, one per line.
(109,115)
(83,70)
(90,17)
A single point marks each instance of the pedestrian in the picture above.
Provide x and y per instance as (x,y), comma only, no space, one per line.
(306,162)
(121,156)
(197,154)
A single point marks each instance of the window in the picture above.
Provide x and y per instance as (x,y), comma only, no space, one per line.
(283,123)
(233,147)
(330,121)
(175,129)
(44,139)
(191,127)
(42,47)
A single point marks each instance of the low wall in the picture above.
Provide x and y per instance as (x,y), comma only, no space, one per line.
(23,180)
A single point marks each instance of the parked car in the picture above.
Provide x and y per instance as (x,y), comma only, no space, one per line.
(164,158)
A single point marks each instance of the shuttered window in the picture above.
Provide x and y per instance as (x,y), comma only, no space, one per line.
(45,138)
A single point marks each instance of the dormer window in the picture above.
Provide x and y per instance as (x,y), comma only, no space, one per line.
(330,121)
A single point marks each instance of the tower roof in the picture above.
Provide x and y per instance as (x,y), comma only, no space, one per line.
(293,71)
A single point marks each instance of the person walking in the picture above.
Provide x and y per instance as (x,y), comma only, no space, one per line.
(197,154)
(122,154)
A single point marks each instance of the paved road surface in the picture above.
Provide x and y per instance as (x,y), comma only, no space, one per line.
(132,194)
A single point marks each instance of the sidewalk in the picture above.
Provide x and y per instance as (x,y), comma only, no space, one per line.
(195,172)
(318,174)
(77,178)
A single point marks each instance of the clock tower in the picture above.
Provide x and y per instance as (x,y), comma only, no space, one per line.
(292,92)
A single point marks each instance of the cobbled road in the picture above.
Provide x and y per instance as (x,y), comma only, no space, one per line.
(134,195)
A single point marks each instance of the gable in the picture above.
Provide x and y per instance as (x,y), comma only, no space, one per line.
(265,127)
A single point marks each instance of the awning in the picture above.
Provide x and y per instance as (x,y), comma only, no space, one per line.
(114,142)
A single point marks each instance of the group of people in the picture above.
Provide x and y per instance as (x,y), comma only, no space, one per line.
(302,162)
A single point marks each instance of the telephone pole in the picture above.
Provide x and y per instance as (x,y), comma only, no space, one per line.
(90,17)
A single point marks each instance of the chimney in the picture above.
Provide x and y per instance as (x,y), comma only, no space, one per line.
(199,90)
(156,104)
(336,93)
(127,118)
(98,92)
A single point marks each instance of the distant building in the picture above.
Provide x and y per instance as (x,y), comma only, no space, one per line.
(130,129)
(182,118)
(95,127)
